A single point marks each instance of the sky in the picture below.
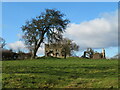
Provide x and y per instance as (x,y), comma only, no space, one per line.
(92,24)
(60,0)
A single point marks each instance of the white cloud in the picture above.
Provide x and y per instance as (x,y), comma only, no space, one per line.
(17,45)
(41,50)
(100,32)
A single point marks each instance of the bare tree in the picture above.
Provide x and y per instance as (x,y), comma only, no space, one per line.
(50,25)
(68,47)
(2,42)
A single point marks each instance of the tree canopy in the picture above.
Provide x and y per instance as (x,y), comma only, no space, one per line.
(48,26)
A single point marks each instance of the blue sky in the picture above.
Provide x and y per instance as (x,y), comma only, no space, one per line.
(14,16)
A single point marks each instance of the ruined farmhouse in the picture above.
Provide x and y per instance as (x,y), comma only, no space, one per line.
(54,50)
(89,53)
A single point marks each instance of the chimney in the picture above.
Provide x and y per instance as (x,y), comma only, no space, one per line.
(103,53)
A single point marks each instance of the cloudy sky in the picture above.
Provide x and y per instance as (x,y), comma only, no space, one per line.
(92,24)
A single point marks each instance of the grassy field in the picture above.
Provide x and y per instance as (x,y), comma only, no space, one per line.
(60,73)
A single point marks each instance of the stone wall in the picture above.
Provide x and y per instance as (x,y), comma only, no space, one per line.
(54,50)
(97,56)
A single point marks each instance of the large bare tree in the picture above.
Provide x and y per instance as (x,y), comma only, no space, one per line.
(50,25)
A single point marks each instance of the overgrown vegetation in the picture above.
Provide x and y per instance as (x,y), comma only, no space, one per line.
(60,73)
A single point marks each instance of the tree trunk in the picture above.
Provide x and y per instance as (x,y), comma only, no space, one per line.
(34,54)
(65,55)
(37,47)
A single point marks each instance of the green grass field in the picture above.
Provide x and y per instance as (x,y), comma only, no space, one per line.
(60,73)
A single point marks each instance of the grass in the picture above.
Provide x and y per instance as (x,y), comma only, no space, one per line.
(60,73)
